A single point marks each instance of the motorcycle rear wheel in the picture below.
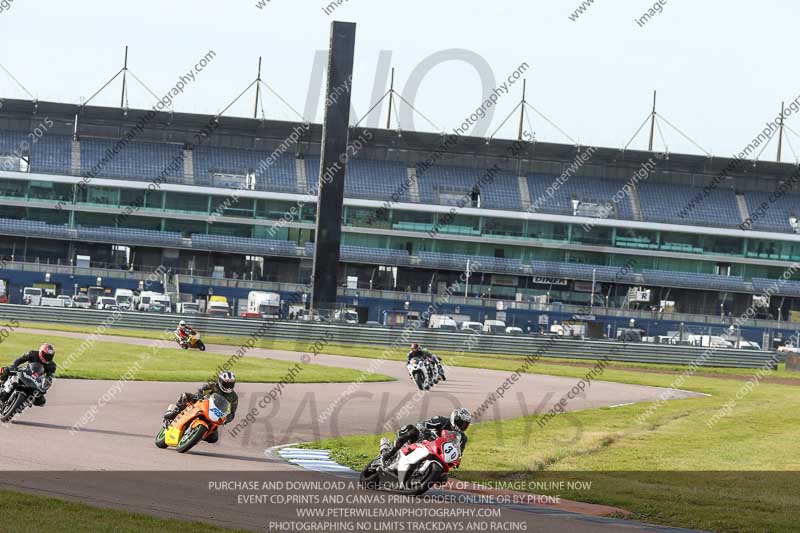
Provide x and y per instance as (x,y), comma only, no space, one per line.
(12,406)
(191,438)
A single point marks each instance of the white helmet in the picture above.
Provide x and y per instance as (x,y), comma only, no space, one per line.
(460,418)
(182,323)
(226,381)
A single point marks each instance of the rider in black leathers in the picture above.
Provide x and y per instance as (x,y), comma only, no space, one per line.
(44,356)
(226,381)
(432,428)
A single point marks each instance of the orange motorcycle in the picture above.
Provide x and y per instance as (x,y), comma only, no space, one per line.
(197,421)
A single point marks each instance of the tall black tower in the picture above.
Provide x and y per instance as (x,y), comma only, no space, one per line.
(333,160)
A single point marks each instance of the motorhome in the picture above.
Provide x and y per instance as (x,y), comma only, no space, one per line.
(94,293)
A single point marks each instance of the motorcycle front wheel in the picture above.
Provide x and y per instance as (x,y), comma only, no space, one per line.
(425,481)
(419,379)
(13,406)
(201,345)
(369,476)
(161,439)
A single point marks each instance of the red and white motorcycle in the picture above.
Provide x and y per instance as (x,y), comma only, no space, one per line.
(416,467)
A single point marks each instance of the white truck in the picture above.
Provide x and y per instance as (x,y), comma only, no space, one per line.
(471,326)
(265,304)
(150,301)
(51,302)
(124,299)
(188,308)
(444,322)
(32,296)
(494,326)
(106,303)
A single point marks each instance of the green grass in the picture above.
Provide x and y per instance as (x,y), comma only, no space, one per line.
(112,361)
(672,469)
(548,365)
(24,513)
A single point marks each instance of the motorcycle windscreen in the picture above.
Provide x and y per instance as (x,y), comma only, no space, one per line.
(218,407)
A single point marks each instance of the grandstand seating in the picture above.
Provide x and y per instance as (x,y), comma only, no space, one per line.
(446,185)
(586,190)
(695,280)
(582,271)
(673,204)
(50,154)
(477,263)
(227,243)
(136,160)
(280,176)
(33,228)
(378,256)
(371,180)
(777,287)
(129,236)
(775,215)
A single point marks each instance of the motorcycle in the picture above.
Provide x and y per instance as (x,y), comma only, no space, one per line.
(192,341)
(196,422)
(416,467)
(21,389)
(438,369)
(418,371)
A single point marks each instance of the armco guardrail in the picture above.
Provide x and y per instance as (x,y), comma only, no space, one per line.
(382,337)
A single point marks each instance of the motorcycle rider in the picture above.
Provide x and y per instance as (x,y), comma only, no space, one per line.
(459,421)
(226,381)
(43,355)
(183,332)
(424,356)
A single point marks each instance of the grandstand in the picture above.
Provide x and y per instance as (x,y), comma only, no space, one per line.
(218,209)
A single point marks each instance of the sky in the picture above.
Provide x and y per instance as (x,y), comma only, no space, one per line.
(721,68)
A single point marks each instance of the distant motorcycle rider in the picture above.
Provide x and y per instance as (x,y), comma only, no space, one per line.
(44,356)
(424,356)
(226,381)
(459,421)
(183,332)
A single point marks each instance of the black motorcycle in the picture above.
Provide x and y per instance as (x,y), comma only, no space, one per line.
(21,390)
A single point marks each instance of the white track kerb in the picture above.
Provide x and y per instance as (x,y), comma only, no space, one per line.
(314,460)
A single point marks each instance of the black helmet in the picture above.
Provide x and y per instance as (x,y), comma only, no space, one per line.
(46,353)
(460,418)
(226,381)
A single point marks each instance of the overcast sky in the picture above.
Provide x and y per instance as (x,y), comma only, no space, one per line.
(721,68)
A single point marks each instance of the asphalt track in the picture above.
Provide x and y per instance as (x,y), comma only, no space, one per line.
(119,436)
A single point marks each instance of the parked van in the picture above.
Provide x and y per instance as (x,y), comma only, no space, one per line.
(106,303)
(81,301)
(218,306)
(124,299)
(51,302)
(472,326)
(444,322)
(153,302)
(494,326)
(32,296)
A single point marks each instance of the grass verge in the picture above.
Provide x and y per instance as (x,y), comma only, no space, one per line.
(112,361)
(39,514)
(673,466)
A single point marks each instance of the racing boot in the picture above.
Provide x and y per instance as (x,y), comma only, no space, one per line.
(388,450)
